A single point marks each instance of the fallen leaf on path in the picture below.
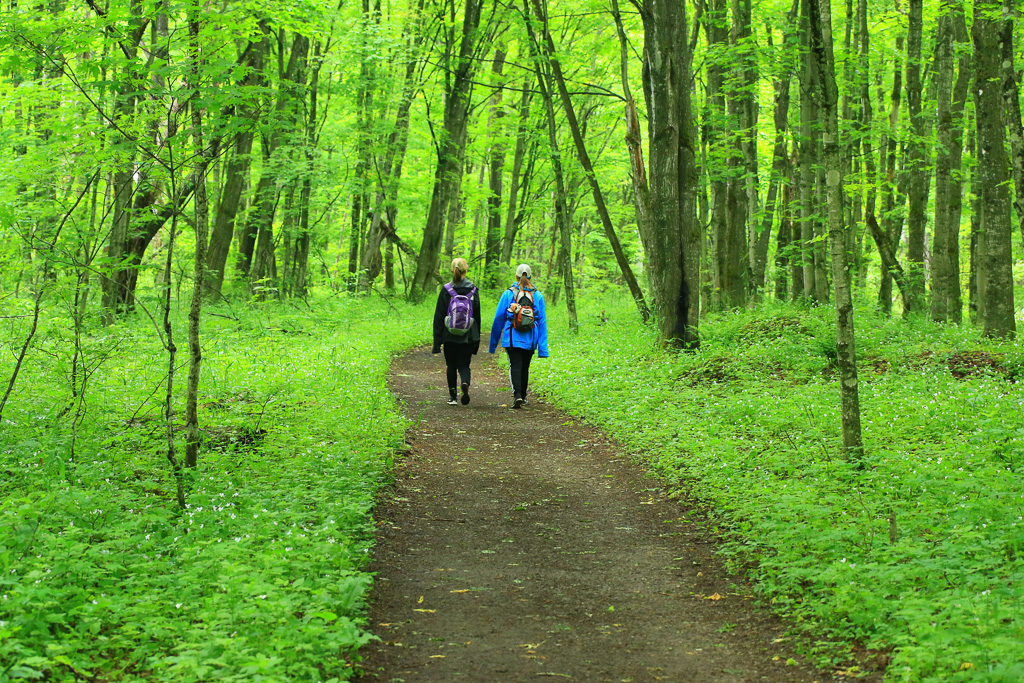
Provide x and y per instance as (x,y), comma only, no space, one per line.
(429,611)
(716,596)
(437,656)
(463,590)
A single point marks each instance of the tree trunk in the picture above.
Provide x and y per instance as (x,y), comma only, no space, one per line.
(995,276)
(449,150)
(263,275)
(917,160)
(780,174)
(117,294)
(892,201)
(672,237)
(237,170)
(946,304)
(588,170)
(821,43)
(755,236)
(721,160)
(887,253)
(192,434)
(545,83)
(496,170)
(1011,95)
(865,125)
(808,148)
(512,217)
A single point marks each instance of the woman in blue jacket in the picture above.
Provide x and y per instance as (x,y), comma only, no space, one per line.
(520,326)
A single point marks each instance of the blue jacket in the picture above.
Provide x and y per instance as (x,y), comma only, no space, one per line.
(503,332)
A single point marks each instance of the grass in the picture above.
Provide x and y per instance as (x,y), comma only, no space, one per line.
(263,577)
(919,555)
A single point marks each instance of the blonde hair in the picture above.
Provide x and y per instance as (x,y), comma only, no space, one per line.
(459,269)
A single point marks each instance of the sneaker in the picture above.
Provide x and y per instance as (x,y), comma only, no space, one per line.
(465,393)
(518,403)
(525,402)
(452,401)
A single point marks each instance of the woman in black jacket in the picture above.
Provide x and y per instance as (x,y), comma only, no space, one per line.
(459,348)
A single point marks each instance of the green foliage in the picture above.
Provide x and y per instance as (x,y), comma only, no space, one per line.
(920,553)
(263,576)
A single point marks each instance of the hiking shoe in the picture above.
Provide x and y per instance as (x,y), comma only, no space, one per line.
(518,403)
(465,393)
(452,401)
(525,402)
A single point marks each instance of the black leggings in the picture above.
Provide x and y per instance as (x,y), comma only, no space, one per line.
(519,369)
(457,357)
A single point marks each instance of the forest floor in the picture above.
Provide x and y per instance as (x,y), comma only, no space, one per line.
(516,545)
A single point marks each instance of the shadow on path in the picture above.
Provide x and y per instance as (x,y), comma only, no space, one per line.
(521,544)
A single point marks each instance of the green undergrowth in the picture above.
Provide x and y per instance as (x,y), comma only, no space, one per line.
(918,554)
(263,577)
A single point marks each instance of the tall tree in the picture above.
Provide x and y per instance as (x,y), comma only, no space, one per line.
(672,237)
(918,170)
(244,115)
(995,271)
(821,44)
(588,169)
(545,61)
(495,171)
(450,146)
(951,57)
(525,153)
(201,216)
(809,143)
(1011,95)
(291,91)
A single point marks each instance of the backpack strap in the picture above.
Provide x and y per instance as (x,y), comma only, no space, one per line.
(448,288)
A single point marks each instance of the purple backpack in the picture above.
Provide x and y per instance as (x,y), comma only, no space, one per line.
(460,311)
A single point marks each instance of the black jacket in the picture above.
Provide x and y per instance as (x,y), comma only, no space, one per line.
(441,333)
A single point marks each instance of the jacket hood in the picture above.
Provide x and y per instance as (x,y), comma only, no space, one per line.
(463,286)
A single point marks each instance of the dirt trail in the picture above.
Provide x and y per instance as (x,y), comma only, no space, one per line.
(521,544)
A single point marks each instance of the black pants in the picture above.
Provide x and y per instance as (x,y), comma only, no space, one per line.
(457,357)
(519,370)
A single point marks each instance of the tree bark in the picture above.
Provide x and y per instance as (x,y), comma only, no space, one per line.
(518,158)
(892,200)
(237,170)
(1011,95)
(865,124)
(808,148)
(588,170)
(448,172)
(995,275)
(543,52)
(755,236)
(780,174)
(887,253)
(672,238)
(495,173)
(946,303)
(263,275)
(200,204)
(821,43)
(385,207)
(917,160)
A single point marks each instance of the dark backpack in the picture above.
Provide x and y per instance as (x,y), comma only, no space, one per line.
(459,320)
(524,318)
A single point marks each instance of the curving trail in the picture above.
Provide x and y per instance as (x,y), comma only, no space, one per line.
(522,545)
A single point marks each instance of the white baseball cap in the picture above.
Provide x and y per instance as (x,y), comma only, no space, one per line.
(523,269)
